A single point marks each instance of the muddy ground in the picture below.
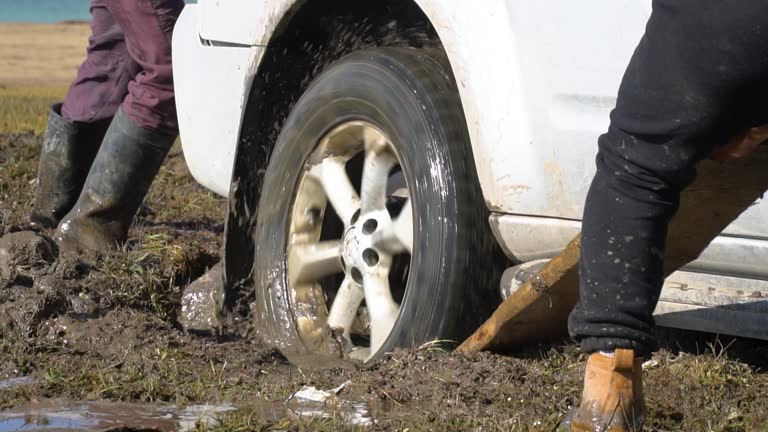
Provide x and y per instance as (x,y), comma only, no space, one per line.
(106,328)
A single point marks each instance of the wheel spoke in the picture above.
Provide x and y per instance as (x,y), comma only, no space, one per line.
(360,353)
(379,161)
(382,309)
(403,227)
(397,236)
(332,174)
(312,262)
(345,306)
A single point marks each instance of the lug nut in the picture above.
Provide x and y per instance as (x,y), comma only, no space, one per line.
(369,227)
(371,257)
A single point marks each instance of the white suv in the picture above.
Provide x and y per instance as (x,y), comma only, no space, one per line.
(386,160)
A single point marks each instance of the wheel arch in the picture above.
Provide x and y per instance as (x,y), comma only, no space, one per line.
(307,36)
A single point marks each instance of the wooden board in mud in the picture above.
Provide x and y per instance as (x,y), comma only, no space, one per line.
(540,308)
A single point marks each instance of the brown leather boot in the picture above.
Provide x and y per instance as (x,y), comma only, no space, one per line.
(613,399)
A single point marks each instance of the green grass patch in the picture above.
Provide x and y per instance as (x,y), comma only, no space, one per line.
(145,277)
(25,109)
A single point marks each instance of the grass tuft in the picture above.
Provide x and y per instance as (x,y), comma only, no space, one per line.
(25,109)
(147,276)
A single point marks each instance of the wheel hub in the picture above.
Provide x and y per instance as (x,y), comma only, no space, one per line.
(352,250)
(363,247)
(359,253)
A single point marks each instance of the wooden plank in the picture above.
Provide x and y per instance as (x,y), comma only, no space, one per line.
(540,308)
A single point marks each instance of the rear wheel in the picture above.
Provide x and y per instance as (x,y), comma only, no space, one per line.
(372,232)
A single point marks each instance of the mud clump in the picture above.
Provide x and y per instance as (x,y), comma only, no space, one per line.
(22,311)
(22,255)
(23,302)
(202,302)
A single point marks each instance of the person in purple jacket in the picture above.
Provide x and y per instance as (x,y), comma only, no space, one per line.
(106,141)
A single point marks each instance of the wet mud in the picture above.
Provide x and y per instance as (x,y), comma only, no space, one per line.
(202,303)
(102,335)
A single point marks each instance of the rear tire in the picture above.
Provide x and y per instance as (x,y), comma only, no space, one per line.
(450,285)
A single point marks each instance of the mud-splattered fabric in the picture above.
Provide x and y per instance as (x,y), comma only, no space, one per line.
(128,65)
(698,77)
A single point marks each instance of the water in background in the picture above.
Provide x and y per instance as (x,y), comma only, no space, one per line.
(45,11)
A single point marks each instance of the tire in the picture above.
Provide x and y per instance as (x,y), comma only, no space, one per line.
(409,98)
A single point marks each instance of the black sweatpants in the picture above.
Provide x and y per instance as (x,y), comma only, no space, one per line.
(698,78)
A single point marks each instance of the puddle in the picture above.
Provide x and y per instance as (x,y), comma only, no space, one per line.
(190,416)
(354,414)
(311,402)
(62,415)
(52,415)
(16,382)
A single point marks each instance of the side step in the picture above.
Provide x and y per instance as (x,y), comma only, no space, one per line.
(692,301)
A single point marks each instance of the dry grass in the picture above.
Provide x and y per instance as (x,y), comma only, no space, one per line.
(41,54)
(25,109)
(37,63)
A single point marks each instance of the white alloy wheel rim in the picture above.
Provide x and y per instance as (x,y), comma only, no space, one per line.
(373,237)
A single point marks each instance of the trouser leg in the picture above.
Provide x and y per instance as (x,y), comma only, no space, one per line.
(76,127)
(102,79)
(148,27)
(697,78)
(138,138)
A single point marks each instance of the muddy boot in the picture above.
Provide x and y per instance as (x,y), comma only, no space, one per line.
(68,152)
(613,399)
(120,177)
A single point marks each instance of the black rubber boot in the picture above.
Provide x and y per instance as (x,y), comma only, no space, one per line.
(67,155)
(120,177)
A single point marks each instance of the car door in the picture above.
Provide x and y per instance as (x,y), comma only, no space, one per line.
(574,55)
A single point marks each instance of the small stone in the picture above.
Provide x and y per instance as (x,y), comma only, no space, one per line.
(83,304)
(202,302)
(650,364)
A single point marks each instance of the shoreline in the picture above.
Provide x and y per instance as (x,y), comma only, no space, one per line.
(60,22)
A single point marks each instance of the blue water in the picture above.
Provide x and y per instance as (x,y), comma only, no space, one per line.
(44,11)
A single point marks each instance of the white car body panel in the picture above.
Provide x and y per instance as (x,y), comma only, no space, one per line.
(537,82)
(242,22)
(210,115)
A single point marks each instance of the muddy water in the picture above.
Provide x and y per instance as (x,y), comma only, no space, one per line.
(16,382)
(58,415)
(68,415)
(65,415)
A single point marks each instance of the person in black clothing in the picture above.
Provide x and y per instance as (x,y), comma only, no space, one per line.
(696,87)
